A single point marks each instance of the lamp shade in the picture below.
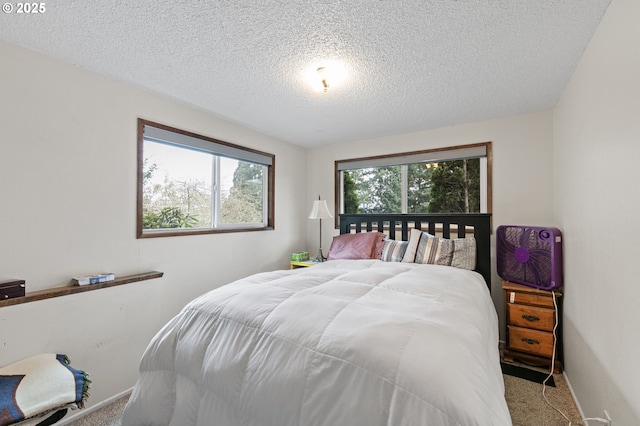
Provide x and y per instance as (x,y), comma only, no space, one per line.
(320,210)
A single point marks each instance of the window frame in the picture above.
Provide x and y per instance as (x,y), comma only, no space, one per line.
(269,194)
(439,154)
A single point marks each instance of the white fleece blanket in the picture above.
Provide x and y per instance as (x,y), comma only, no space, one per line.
(39,385)
(345,343)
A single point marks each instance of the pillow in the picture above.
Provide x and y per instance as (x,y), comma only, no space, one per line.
(393,250)
(426,248)
(414,240)
(363,245)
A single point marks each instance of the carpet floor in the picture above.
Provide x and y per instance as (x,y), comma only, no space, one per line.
(524,398)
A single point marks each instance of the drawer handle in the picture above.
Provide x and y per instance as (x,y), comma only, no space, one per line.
(530,341)
(531,317)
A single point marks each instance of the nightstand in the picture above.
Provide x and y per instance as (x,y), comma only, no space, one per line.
(531,317)
(302,263)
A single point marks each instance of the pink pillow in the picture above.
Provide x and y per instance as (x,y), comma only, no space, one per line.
(364,245)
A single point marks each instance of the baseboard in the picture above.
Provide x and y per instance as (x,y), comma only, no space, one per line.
(77,414)
(573,395)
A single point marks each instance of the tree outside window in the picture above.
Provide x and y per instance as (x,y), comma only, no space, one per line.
(421,182)
(190,184)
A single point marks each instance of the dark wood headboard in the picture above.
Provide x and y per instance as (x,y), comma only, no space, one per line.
(436,224)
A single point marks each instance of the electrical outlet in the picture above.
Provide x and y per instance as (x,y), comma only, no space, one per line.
(606,416)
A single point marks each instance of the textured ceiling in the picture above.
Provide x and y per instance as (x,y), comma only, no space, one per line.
(411,64)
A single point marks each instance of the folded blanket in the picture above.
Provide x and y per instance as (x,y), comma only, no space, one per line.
(38,385)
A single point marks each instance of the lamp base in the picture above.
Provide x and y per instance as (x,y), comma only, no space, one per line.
(320,257)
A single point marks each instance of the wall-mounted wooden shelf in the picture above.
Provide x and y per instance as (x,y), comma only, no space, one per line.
(73,289)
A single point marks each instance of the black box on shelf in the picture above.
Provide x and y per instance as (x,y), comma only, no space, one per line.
(11,288)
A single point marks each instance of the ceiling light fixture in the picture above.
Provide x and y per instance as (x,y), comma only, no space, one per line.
(322,72)
(322,76)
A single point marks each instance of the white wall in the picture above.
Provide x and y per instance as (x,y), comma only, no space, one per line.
(597,200)
(68,207)
(522,170)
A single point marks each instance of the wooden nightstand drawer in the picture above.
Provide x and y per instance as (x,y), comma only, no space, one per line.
(531,317)
(532,341)
(530,299)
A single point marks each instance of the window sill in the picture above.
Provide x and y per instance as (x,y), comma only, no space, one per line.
(66,290)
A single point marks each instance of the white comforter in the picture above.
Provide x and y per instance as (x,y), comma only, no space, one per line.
(345,343)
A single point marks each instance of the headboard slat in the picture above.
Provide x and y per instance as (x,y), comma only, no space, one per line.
(446,230)
(432,228)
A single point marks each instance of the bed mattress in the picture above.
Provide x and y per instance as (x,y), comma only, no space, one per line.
(347,342)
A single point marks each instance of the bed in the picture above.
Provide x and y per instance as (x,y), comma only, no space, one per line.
(352,341)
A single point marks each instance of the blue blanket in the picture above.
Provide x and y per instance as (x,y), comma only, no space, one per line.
(39,385)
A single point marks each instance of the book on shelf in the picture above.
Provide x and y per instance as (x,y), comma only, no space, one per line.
(94,279)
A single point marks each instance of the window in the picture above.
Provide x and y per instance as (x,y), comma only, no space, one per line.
(192,184)
(449,180)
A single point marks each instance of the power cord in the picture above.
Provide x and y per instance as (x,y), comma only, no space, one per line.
(553,363)
(553,360)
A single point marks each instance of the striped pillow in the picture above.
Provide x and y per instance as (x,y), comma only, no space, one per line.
(426,248)
(393,250)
